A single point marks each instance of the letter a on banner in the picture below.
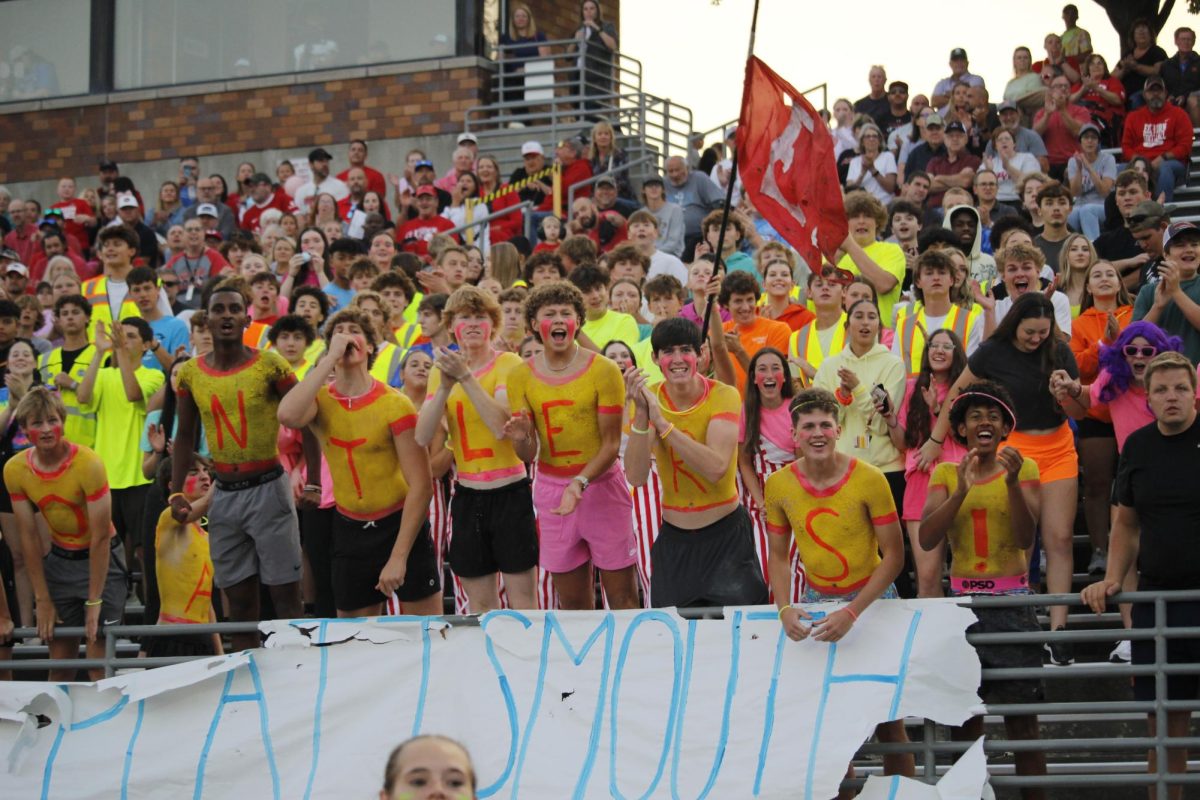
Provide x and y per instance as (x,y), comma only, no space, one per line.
(786,158)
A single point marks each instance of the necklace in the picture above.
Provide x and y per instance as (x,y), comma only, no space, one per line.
(349,399)
(549,368)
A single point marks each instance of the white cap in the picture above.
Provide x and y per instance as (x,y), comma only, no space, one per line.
(467,137)
(18,267)
(532,147)
(206,210)
(126,200)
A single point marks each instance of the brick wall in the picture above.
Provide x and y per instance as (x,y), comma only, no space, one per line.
(57,138)
(560,18)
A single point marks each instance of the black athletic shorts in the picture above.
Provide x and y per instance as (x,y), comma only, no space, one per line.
(492,530)
(8,578)
(711,566)
(1180,614)
(360,550)
(189,645)
(1018,619)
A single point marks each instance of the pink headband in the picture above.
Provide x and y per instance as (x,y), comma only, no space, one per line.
(1011,416)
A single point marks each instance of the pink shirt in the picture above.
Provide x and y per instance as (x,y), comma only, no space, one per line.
(1129,410)
(952,451)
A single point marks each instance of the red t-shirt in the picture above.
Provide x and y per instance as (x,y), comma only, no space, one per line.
(414,235)
(72,208)
(1061,144)
(375,180)
(250,215)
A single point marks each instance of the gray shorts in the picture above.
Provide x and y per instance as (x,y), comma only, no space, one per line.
(67,582)
(254,532)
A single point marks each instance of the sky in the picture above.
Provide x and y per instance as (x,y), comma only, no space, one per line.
(693,52)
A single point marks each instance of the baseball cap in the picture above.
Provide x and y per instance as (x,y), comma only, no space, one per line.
(953,126)
(897,85)
(1147,214)
(18,268)
(1008,105)
(1088,127)
(1154,80)
(423,164)
(467,136)
(108,164)
(934,119)
(532,148)
(653,179)
(958,52)
(259,177)
(10,254)
(426,189)
(127,200)
(731,131)
(207,210)
(1174,230)
(319,154)
(607,181)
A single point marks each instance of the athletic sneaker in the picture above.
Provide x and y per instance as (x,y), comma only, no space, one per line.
(1121,653)
(1060,654)
(1099,563)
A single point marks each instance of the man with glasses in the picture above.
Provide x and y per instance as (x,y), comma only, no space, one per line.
(171,286)
(897,114)
(1058,123)
(1161,133)
(208,194)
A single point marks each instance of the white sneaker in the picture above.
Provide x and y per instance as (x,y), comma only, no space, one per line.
(1121,653)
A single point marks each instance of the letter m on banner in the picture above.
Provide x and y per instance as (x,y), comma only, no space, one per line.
(785,157)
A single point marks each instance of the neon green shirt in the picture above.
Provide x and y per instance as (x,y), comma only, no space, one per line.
(119,424)
(890,259)
(613,326)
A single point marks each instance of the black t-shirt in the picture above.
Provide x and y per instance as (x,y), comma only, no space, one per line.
(872,108)
(1157,477)
(69,357)
(1051,250)
(888,122)
(1022,374)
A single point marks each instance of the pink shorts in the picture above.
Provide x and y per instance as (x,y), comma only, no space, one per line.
(600,529)
(916,489)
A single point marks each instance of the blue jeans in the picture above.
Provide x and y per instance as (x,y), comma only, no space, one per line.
(1170,174)
(1087,219)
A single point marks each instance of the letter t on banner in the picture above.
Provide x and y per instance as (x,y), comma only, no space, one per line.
(786,158)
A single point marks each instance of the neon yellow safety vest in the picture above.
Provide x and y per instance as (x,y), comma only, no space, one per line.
(386,368)
(79,426)
(96,292)
(806,343)
(912,332)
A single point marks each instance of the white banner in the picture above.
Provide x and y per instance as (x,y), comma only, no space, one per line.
(550,705)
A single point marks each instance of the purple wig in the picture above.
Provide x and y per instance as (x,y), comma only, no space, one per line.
(1112,357)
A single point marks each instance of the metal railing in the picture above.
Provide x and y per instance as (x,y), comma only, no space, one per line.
(610,173)
(567,96)
(477,221)
(1091,763)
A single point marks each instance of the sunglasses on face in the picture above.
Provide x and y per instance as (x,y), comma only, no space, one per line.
(1145,351)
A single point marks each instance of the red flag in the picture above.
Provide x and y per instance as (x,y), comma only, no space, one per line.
(786,163)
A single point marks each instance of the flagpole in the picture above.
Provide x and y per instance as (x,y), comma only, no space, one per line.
(717,264)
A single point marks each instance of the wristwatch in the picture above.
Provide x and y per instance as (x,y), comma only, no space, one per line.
(583,482)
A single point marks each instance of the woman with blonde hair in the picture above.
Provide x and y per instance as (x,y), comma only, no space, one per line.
(520,43)
(1074,261)
(605,156)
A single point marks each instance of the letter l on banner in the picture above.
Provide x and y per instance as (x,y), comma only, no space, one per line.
(785,154)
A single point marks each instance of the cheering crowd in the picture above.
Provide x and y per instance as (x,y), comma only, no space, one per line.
(310,394)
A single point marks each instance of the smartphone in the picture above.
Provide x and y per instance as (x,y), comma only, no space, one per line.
(880,395)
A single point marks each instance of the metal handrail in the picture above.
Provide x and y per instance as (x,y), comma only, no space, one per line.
(524,204)
(626,167)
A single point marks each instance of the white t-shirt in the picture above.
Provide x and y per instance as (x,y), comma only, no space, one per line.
(885,164)
(1007,191)
(1062,310)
